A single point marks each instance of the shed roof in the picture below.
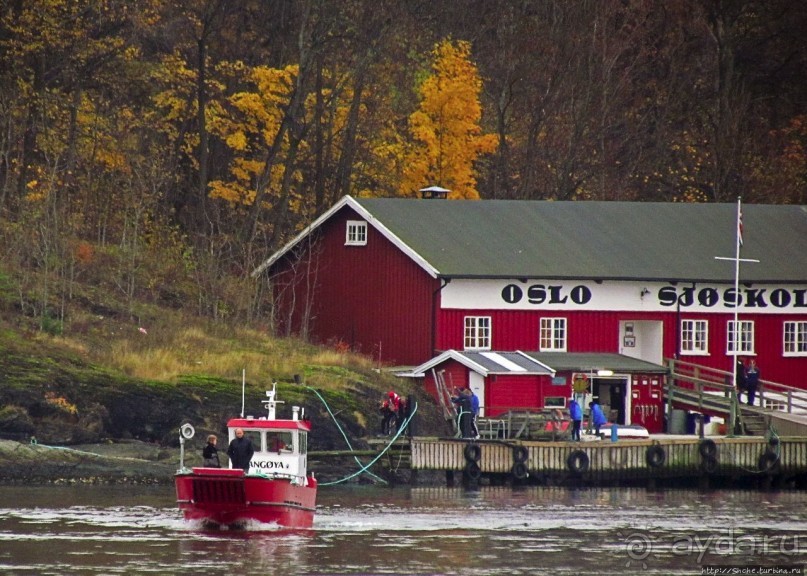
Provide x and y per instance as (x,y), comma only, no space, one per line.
(587,240)
(488,362)
(594,361)
(540,363)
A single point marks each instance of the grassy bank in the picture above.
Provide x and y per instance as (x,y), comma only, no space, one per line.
(109,378)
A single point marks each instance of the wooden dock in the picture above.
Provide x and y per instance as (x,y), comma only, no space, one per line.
(624,462)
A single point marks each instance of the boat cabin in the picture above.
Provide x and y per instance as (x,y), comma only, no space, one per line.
(281,446)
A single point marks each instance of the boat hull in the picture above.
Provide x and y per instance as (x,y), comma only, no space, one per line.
(225,497)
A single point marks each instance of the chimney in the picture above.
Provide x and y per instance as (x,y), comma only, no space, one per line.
(434,192)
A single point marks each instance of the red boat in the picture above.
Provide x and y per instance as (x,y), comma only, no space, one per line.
(275,490)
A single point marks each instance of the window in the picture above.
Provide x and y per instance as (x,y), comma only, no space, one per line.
(553,335)
(278,441)
(694,337)
(745,335)
(795,339)
(356,233)
(555,402)
(477,332)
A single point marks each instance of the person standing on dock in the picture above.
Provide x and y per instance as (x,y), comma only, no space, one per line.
(576,414)
(751,380)
(474,413)
(739,378)
(240,451)
(462,400)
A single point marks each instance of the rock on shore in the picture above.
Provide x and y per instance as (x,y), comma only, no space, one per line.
(120,462)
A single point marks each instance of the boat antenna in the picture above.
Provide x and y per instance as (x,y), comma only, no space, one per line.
(271,404)
(243,388)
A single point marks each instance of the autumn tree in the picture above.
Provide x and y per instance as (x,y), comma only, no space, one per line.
(446,129)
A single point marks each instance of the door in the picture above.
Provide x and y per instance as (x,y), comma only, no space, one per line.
(610,394)
(647,402)
(642,339)
(477,386)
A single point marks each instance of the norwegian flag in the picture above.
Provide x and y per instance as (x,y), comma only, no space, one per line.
(739,223)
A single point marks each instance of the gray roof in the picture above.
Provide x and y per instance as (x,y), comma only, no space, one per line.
(595,240)
(541,363)
(485,362)
(593,361)
(506,362)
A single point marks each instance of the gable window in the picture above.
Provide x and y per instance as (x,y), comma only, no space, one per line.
(694,337)
(356,234)
(795,339)
(553,335)
(741,339)
(477,333)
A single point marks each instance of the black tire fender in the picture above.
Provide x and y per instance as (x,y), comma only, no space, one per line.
(655,456)
(473,452)
(709,464)
(577,461)
(707,448)
(520,471)
(767,461)
(473,471)
(520,454)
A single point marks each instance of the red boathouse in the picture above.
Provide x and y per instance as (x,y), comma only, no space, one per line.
(406,280)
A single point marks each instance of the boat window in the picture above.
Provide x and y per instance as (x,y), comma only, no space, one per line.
(255,436)
(303,443)
(278,441)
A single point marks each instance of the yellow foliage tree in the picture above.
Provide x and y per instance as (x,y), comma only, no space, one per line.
(249,128)
(447,136)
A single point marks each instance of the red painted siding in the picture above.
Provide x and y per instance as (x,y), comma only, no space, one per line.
(519,330)
(455,375)
(507,392)
(373,298)
(592,331)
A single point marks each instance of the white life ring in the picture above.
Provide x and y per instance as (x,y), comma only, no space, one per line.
(187,431)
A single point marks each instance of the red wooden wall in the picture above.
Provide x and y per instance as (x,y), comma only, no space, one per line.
(592,331)
(372,298)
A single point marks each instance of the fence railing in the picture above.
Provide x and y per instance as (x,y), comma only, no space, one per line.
(711,381)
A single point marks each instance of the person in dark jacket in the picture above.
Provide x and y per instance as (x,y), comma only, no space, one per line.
(210,454)
(240,451)
(751,380)
(576,414)
(474,413)
(464,412)
(739,379)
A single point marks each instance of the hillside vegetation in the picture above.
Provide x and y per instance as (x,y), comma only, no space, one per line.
(161,151)
(103,376)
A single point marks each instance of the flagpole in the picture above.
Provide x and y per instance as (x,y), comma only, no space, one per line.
(737,303)
(738,243)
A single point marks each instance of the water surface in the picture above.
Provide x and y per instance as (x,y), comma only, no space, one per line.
(370,530)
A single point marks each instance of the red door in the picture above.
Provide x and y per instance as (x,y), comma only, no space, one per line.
(647,402)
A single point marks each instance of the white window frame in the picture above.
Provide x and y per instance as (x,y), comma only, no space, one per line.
(746,332)
(356,233)
(477,333)
(794,338)
(694,337)
(553,334)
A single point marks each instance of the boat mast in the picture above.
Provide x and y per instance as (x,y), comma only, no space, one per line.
(243,388)
(271,403)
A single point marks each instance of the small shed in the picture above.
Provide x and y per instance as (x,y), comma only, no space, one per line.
(631,391)
(501,380)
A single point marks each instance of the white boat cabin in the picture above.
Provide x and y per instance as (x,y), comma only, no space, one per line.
(281,446)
